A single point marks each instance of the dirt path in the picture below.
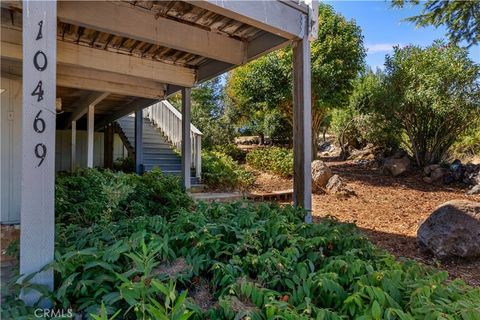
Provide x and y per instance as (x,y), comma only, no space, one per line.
(389,210)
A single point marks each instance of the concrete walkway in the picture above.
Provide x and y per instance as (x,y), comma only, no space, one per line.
(218,196)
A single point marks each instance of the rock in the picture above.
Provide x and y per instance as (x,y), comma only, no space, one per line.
(452,230)
(438,174)
(474,190)
(320,175)
(428,169)
(427,179)
(337,186)
(396,166)
(367,153)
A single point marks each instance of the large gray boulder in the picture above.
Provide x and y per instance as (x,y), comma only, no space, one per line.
(338,187)
(452,230)
(321,173)
(396,166)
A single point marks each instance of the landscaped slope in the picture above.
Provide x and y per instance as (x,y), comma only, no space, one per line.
(241,260)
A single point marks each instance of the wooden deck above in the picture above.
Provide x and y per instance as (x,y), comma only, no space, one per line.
(141,51)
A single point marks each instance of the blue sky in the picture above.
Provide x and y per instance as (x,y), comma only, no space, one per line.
(382,27)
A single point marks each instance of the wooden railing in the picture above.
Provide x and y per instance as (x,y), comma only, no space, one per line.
(169,120)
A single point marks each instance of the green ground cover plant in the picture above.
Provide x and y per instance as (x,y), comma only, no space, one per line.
(274,159)
(221,171)
(237,261)
(88,196)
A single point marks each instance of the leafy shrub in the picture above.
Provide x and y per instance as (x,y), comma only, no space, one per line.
(275,160)
(468,144)
(277,127)
(89,195)
(257,261)
(220,171)
(433,94)
(126,165)
(357,129)
(231,150)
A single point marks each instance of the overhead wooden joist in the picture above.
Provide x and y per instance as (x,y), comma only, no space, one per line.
(88,79)
(278,17)
(151,29)
(81,106)
(261,45)
(106,61)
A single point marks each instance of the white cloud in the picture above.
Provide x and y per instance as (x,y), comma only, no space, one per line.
(380,47)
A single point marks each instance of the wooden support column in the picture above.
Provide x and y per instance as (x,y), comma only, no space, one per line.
(302,127)
(139,141)
(186,138)
(108,146)
(37,213)
(73,156)
(198,157)
(90,132)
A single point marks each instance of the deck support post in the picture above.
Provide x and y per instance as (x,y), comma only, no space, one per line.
(198,156)
(90,134)
(186,138)
(37,213)
(108,146)
(139,141)
(302,127)
(73,155)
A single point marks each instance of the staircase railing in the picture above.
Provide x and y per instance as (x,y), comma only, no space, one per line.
(169,120)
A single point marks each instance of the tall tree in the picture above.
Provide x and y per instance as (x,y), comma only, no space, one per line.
(209,113)
(433,94)
(462,18)
(266,84)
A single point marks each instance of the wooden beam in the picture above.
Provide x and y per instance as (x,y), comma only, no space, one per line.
(94,80)
(37,213)
(82,106)
(71,54)
(186,138)
(302,127)
(90,134)
(142,25)
(127,109)
(275,17)
(89,79)
(139,141)
(261,45)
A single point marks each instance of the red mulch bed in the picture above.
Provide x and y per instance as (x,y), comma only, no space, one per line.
(389,210)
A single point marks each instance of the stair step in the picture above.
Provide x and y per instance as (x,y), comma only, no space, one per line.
(164,166)
(157,150)
(157,145)
(156,159)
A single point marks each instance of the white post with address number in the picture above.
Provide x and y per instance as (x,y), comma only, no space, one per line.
(38,142)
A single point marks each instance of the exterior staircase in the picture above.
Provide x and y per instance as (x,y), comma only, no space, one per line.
(157,149)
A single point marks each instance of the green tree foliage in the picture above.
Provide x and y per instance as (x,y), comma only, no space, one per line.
(462,18)
(433,94)
(209,113)
(358,124)
(266,84)
(221,171)
(273,159)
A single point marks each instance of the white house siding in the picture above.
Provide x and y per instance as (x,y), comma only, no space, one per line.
(62,149)
(10,150)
